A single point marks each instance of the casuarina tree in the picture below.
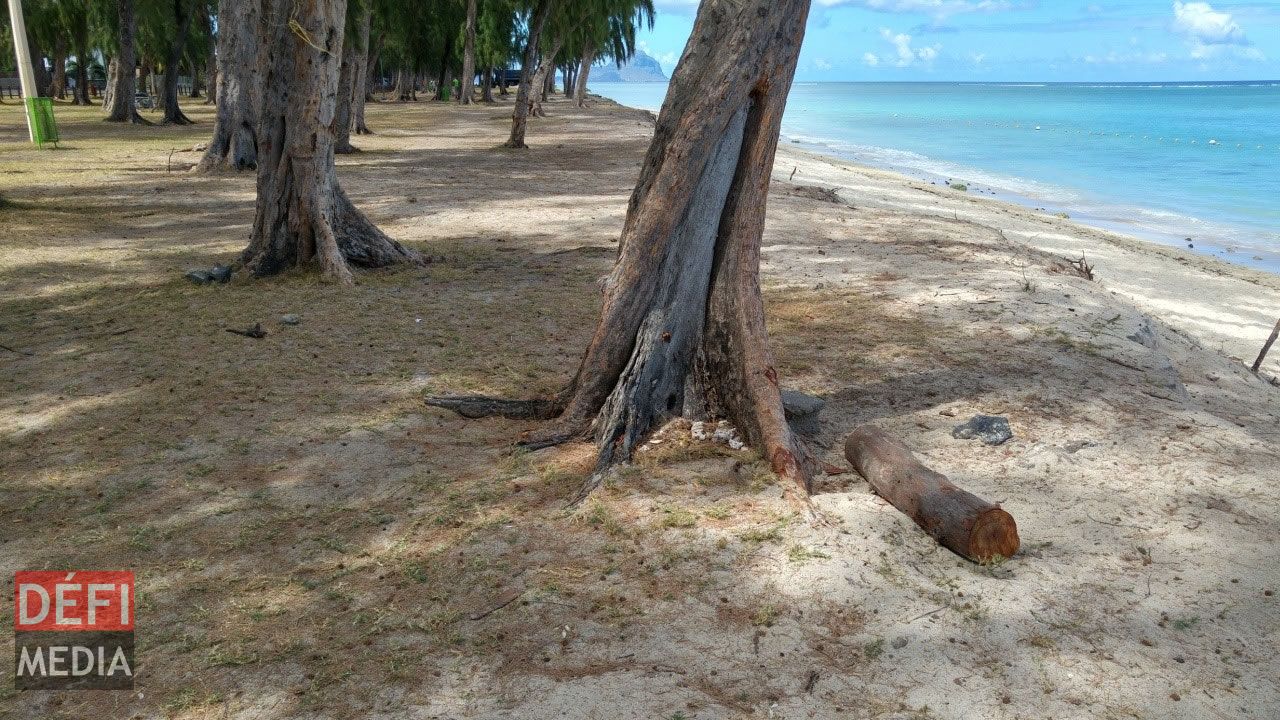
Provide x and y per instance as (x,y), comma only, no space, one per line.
(303,216)
(234,145)
(682,328)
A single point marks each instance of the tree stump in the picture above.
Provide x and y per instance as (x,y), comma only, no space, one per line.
(961,521)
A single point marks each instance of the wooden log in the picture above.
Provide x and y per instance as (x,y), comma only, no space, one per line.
(961,521)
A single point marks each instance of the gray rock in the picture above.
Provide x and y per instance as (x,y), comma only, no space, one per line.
(290,319)
(798,404)
(899,643)
(990,429)
(199,277)
(221,273)
(802,412)
(1145,335)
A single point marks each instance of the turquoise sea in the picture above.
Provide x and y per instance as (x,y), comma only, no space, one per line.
(1165,161)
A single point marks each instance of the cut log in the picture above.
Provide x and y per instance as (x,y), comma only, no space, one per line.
(961,521)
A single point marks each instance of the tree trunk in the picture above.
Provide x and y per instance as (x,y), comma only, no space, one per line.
(502,84)
(80,40)
(182,16)
(546,74)
(959,520)
(303,217)
(469,57)
(486,86)
(211,59)
(682,329)
(580,93)
(567,72)
(234,145)
(342,112)
(446,69)
(372,70)
(520,115)
(58,81)
(41,74)
(121,106)
(363,70)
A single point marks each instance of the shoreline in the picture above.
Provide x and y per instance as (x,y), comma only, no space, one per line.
(1224,305)
(1207,238)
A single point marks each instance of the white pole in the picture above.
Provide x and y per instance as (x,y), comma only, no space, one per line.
(26,74)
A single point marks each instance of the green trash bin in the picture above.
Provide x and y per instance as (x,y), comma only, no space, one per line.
(40,115)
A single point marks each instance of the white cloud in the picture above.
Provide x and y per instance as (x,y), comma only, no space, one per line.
(977,58)
(1211,33)
(903,54)
(1200,21)
(822,64)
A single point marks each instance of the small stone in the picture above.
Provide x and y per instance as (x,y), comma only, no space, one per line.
(699,430)
(199,277)
(290,319)
(990,429)
(899,643)
(220,273)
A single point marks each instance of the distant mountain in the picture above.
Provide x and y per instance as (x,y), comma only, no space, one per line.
(641,68)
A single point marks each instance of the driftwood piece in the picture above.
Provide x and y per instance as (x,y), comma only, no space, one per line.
(959,520)
(1257,364)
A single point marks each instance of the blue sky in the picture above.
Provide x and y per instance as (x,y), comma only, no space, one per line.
(1011,40)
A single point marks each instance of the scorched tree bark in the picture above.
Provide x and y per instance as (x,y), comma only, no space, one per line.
(303,216)
(682,328)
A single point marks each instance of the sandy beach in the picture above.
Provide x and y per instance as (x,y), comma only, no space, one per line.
(314,542)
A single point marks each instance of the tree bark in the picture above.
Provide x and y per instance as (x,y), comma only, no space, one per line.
(363,69)
(682,330)
(959,520)
(234,145)
(546,74)
(121,106)
(342,113)
(58,81)
(303,217)
(584,70)
(467,88)
(446,69)
(520,115)
(486,86)
(182,16)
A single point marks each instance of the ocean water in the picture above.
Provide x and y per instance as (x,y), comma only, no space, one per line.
(1164,161)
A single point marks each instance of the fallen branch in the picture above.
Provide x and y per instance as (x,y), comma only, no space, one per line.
(961,521)
(1266,347)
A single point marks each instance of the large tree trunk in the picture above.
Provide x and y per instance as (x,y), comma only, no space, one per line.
(468,57)
(584,70)
(173,114)
(546,74)
(342,112)
(520,115)
(58,81)
(303,217)
(961,521)
(682,329)
(363,70)
(121,106)
(234,145)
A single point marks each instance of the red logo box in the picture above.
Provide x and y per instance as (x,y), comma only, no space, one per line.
(95,600)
